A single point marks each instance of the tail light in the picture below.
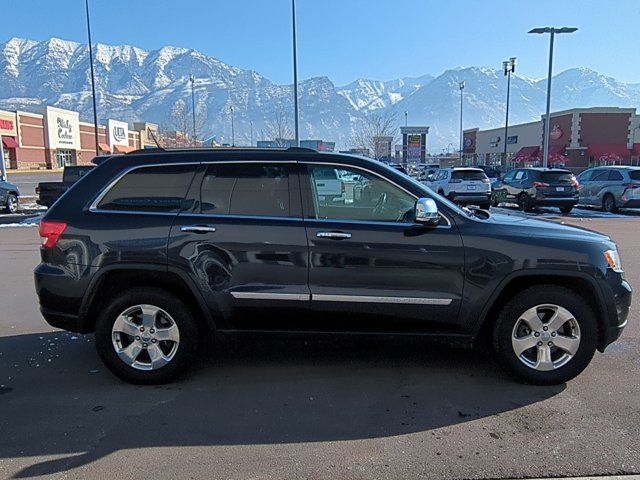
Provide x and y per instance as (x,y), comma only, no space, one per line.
(575,181)
(50,232)
(486,180)
(343,187)
(38,190)
(540,184)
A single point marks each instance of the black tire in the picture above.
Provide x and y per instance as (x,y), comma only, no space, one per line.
(566,210)
(609,203)
(179,312)
(524,202)
(11,206)
(494,200)
(541,295)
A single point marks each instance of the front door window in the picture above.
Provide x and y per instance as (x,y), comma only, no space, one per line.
(346,193)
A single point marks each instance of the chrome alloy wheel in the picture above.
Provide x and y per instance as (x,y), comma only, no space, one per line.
(145,337)
(546,337)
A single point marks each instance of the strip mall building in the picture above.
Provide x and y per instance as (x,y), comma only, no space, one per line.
(57,137)
(579,138)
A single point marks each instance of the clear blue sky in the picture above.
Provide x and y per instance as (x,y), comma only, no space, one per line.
(347,39)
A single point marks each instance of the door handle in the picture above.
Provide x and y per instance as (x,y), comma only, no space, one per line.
(334,235)
(197,228)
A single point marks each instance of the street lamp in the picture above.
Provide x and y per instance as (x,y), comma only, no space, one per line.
(295,75)
(192,79)
(93,79)
(406,118)
(251,126)
(547,127)
(509,67)
(461,87)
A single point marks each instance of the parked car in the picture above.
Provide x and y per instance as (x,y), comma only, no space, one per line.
(9,195)
(462,185)
(426,170)
(399,167)
(492,172)
(610,188)
(155,249)
(537,187)
(49,192)
(329,185)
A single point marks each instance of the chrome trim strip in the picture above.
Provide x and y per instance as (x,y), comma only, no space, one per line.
(301,297)
(373,299)
(239,217)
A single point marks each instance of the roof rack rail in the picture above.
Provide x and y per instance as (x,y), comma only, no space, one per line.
(146,150)
(301,149)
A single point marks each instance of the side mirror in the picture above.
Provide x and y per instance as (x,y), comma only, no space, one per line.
(426,212)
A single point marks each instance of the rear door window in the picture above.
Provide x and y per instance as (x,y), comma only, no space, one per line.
(150,189)
(601,176)
(557,177)
(615,176)
(247,189)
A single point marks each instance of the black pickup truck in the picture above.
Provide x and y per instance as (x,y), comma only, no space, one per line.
(49,192)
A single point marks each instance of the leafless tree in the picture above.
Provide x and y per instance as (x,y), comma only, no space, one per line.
(178,125)
(279,129)
(375,123)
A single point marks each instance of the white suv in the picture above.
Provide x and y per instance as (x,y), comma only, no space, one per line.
(462,185)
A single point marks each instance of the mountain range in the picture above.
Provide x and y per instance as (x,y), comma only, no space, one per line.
(136,84)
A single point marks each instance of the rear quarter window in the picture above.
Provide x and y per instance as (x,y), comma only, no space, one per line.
(150,189)
(634,174)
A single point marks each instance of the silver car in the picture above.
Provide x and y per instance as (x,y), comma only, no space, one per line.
(610,187)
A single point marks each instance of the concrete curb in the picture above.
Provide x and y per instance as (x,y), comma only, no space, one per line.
(17,172)
(596,477)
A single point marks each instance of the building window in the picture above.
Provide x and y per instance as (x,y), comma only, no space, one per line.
(64,158)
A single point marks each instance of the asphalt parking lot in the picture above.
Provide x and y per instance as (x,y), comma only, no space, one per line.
(306,408)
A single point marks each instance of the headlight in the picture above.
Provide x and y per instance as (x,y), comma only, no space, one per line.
(613,259)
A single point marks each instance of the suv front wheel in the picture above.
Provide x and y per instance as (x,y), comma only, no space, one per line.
(146,336)
(545,335)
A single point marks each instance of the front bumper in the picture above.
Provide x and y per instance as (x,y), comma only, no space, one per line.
(619,293)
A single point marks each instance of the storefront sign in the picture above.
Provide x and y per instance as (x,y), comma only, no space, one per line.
(63,129)
(414,144)
(7,123)
(118,133)
(556,132)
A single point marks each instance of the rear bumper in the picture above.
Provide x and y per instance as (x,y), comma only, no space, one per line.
(634,203)
(466,198)
(555,201)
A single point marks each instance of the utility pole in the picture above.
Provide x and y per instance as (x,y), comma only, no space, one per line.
(406,118)
(233,133)
(295,76)
(251,126)
(93,80)
(461,87)
(192,79)
(509,67)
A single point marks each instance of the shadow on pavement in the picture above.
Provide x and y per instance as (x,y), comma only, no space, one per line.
(57,400)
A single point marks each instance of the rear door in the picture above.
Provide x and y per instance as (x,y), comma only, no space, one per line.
(585,182)
(557,184)
(598,182)
(242,241)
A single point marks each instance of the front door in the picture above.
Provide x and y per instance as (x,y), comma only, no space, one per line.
(372,269)
(243,242)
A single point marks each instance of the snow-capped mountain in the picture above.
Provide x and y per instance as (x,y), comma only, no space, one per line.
(135,84)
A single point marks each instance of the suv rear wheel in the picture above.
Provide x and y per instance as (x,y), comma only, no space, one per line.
(12,203)
(146,336)
(524,202)
(545,335)
(609,203)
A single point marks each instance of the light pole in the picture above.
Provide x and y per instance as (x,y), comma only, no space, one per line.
(192,79)
(547,127)
(509,67)
(406,118)
(295,75)
(233,132)
(251,126)
(461,87)
(93,80)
